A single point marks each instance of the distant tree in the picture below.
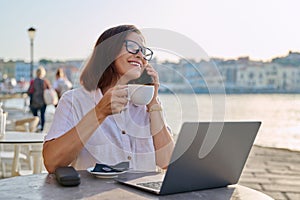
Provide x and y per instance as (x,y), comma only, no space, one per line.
(45,61)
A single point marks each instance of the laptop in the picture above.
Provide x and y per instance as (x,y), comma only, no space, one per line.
(206,155)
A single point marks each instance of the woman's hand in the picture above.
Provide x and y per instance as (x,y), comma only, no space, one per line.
(114,100)
(153,73)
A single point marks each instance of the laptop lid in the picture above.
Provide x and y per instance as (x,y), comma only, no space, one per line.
(208,155)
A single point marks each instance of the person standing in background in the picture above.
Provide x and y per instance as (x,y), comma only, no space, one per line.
(36,93)
(61,84)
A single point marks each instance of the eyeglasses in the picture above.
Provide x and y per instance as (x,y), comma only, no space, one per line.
(134,48)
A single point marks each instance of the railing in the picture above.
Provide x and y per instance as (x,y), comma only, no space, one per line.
(4,97)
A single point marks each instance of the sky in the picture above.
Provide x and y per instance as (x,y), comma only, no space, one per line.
(68,29)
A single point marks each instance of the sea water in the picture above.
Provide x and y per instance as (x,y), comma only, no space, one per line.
(279,113)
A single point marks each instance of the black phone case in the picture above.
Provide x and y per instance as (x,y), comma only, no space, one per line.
(144,79)
(67,176)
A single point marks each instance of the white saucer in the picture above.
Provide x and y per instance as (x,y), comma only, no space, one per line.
(104,174)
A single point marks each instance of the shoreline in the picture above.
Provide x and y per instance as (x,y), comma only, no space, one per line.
(18,113)
(278,148)
(273,133)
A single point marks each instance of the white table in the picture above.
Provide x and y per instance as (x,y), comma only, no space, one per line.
(45,186)
(27,138)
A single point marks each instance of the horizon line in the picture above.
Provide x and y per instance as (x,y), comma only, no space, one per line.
(161,60)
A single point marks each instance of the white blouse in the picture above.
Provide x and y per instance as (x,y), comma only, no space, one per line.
(120,137)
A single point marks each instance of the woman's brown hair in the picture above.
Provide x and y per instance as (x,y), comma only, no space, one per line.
(99,71)
(60,72)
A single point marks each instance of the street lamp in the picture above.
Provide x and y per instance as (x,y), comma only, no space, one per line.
(31,33)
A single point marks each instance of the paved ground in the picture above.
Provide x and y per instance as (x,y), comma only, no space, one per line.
(275,172)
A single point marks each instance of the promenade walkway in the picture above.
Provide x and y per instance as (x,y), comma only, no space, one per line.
(275,172)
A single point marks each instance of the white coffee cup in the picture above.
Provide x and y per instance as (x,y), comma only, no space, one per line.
(140,94)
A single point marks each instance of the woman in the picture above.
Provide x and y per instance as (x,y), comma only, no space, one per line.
(36,93)
(61,83)
(97,124)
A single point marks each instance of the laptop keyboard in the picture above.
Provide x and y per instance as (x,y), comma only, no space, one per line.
(154,185)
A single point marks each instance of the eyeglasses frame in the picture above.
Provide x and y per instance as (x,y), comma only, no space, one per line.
(141,48)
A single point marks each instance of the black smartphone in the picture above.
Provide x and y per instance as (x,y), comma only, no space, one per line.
(67,176)
(144,79)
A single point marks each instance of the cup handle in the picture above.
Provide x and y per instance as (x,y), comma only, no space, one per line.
(128,95)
